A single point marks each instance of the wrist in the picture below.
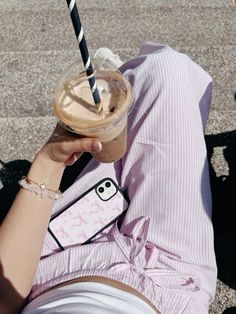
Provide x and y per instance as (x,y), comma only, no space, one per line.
(46,171)
(43,159)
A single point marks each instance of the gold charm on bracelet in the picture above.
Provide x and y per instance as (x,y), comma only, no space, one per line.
(39,189)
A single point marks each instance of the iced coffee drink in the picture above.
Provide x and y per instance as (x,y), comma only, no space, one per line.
(75,109)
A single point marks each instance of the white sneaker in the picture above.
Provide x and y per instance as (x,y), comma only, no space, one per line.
(107,54)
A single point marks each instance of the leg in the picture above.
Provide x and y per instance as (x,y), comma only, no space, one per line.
(165,169)
(165,173)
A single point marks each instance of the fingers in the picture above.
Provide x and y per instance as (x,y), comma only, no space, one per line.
(66,148)
(90,145)
(96,147)
(80,145)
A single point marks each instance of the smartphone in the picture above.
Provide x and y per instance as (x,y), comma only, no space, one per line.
(88,215)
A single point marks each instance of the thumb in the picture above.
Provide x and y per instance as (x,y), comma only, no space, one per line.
(80,146)
(90,145)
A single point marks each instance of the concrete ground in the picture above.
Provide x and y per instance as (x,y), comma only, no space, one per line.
(37,42)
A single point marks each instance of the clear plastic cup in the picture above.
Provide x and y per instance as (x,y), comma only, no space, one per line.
(75,110)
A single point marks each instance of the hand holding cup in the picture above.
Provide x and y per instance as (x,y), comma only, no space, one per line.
(65,147)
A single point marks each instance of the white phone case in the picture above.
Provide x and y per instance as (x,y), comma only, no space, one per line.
(91,213)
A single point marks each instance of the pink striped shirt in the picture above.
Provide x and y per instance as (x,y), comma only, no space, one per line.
(164,248)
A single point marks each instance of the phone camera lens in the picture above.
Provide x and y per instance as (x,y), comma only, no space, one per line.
(108,184)
(101,190)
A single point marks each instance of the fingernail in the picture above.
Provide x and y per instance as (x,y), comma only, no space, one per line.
(96,147)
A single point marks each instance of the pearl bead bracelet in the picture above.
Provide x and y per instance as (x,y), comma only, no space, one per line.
(39,189)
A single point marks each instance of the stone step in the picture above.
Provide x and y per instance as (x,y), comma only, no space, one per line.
(221,121)
(36,5)
(51,29)
(21,138)
(28,79)
(225,296)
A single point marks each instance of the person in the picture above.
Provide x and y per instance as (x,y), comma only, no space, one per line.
(161,259)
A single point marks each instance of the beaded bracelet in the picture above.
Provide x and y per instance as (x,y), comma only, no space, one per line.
(39,189)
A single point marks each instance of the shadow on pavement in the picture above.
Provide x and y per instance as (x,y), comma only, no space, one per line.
(224,207)
(10,174)
(231,310)
(223,194)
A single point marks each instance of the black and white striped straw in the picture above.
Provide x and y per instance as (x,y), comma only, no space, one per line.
(83,49)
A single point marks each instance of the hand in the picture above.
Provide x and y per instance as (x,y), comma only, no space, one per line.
(65,147)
